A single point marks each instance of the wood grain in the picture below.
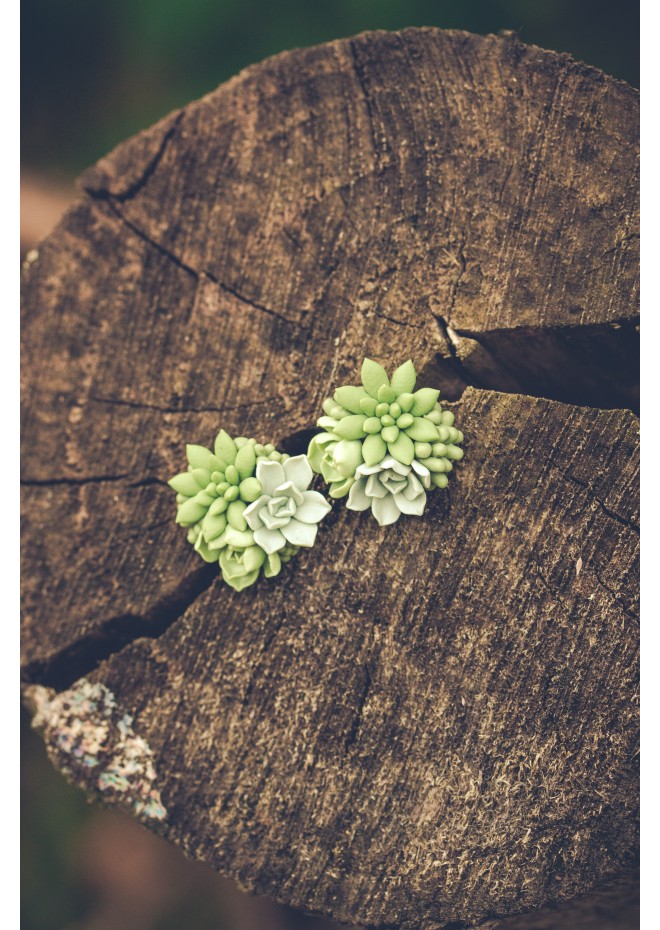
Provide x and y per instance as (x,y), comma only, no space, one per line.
(428,723)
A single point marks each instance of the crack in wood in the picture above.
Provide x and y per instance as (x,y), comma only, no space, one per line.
(61,669)
(87,479)
(615,595)
(111,200)
(361,79)
(102,196)
(143,405)
(149,482)
(252,303)
(150,169)
(591,494)
(352,734)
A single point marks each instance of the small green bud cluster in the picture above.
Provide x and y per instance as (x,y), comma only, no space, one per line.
(384,417)
(211,498)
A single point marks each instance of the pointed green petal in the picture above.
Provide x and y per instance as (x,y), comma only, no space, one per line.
(405,401)
(253,558)
(225,447)
(199,457)
(213,526)
(386,394)
(435,465)
(184,484)
(190,513)
(403,379)
(207,554)
(372,425)
(425,401)
(250,489)
(215,465)
(351,427)
(374,450)
(341,488)
(241,581)
(403,449)
(235,515)
(350,397)
(246,461)
(218,506)
(390,433)
(203,498)
(423,430)
(368,405)
(202,476)
(373,376)
(274,565)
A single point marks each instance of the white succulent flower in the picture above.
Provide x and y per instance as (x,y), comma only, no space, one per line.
(390,488)
(286,512)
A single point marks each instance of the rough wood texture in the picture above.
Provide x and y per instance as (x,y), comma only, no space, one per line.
(427,723)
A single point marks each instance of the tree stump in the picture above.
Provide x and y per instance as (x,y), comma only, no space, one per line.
(427,724)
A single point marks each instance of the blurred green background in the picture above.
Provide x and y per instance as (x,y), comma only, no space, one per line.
(97,71)
(93,73)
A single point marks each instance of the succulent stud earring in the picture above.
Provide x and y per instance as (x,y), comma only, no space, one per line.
(247,506)
(384,444)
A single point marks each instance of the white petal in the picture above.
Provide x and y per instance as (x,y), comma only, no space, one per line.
(357,499)
(289,489)
(269,540)
(366,470)
(414,488)
(300,534)
(374,487)
(414,507)
(390,462)
(271,475)
(423,473)
(251,513)
(313,508)
(273,522)
(298,470)
(385,510)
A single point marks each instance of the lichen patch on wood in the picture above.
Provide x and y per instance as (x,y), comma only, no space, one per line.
(94,744)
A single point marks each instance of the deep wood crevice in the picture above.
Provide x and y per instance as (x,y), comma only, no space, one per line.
(63,668)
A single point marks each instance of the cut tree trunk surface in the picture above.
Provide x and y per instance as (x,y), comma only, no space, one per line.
(428,723)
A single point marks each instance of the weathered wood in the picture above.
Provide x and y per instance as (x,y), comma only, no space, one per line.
(414,725)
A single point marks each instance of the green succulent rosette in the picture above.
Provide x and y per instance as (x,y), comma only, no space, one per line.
(385,422)
(247,507)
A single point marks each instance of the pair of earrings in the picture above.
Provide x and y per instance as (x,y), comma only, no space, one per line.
(383,445)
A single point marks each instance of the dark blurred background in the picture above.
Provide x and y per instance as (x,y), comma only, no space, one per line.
(97,72)
(93,73)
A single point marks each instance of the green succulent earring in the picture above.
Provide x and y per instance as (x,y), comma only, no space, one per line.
(247,506)
(384,444)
